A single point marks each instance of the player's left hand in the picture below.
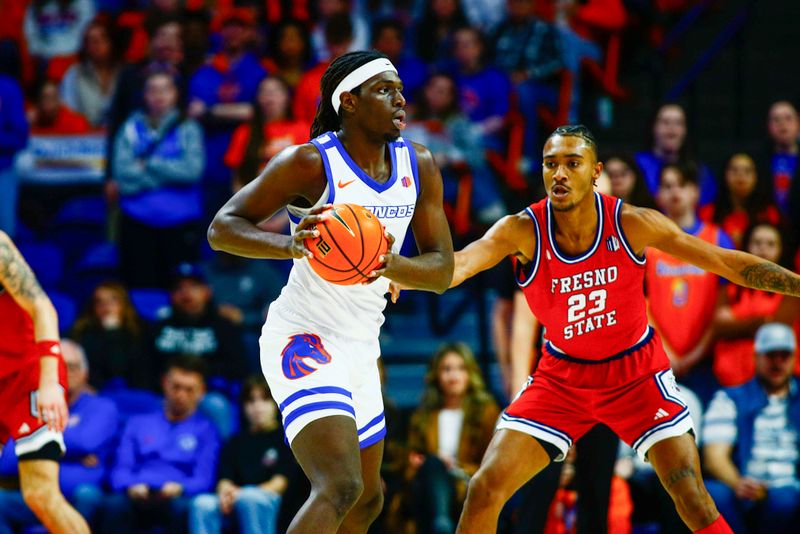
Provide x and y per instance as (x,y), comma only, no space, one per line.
(386,259)
(394,290)
(52,406)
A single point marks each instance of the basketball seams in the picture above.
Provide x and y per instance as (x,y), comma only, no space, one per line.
(360,233)
(341,251)
(345,251)
(381,242)
(377,252)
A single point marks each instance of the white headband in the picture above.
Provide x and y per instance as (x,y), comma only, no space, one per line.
(359,76)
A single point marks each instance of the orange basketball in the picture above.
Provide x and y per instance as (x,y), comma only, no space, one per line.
(349,246)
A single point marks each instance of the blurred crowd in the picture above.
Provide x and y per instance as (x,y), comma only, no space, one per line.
(187,100)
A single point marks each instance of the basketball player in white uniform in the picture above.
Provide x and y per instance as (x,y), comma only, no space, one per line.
(319,346)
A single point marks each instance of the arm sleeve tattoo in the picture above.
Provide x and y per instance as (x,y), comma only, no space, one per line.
(771,277)
(15,275)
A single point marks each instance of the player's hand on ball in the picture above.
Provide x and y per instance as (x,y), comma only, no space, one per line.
(52,406)
(305,230)
(385,259)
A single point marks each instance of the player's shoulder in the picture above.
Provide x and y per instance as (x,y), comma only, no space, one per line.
(514,226)
(303,160)
(424,155)
(635,216)
(645,227)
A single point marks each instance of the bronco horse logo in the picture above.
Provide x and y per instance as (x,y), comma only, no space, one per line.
(300,347)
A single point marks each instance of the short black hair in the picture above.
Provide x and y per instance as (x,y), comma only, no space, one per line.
(188,364)
(577,130)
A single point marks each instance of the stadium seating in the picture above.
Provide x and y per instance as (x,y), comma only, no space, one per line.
(47,261)
(151,303)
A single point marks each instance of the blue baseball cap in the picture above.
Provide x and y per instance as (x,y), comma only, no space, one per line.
(188,270)
(773,337)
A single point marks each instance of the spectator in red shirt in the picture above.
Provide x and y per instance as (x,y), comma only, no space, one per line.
(743,310)
(338,36)
(49,116)
(271,130)
(290,52)
(743,199)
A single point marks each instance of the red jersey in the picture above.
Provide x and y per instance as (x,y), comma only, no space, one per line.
(734,363)
(592,305)
(17,341)
(682,296)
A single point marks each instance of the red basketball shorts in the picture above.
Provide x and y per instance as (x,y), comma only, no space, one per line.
(18,413)
(633,393)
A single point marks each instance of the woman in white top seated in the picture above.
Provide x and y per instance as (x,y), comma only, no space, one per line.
(448,434)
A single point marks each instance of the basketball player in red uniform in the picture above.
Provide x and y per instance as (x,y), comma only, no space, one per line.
(579,258)
(33,406)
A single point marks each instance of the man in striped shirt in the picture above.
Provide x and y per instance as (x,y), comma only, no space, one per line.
(751,440)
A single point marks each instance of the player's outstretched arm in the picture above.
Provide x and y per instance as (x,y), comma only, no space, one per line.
(646,227)
(295,173)
(18,279)
(511,235)
(432,269)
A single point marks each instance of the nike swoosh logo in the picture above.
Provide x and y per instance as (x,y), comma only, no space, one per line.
(345,184)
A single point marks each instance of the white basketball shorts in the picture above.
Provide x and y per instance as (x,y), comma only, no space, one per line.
(315,373)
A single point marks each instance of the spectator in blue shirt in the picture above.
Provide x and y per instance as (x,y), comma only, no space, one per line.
(164,458)
(457,146)
(484,90)
(751,440)
(783,125)
(388,38)
(243,290)
(89,437)
(158,163)
(670,145)
(254,470)
(165,54)
(528,50)
(13,138)
(221,94)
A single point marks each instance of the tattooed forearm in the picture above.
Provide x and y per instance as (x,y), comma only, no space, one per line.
(771,277)
(676,475)
(15,275)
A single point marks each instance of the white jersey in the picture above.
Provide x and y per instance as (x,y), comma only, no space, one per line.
(353,311)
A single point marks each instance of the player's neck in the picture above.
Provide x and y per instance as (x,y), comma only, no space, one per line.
(367,152)
(578,226)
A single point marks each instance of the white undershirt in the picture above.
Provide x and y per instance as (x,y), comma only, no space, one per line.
(450,423)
